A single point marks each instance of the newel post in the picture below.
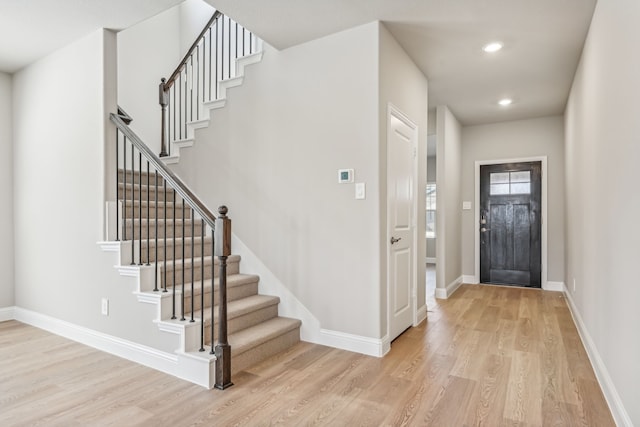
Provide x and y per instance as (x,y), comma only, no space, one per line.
(164,101)
(222,250)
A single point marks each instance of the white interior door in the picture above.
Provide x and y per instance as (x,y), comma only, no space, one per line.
(401,147)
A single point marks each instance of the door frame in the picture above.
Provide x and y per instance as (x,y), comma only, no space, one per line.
(543,213)
(392,110)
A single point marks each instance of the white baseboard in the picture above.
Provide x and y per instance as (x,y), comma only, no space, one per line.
(181,366)
(444,293)
(620,415)
(7,313)
(554,286)
(470,279)
(356,343)
(421,314)
(431,260)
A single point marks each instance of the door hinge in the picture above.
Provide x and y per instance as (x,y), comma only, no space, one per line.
(415,152)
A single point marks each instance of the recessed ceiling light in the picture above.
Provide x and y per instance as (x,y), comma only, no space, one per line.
(506,101)
(492,47)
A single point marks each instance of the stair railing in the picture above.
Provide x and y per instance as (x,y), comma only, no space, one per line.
(195,81)
(136,163)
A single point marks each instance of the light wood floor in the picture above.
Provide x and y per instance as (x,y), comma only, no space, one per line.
(487,356)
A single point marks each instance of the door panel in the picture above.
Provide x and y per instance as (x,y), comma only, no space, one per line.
(402,300)
(400,171)
(510,226)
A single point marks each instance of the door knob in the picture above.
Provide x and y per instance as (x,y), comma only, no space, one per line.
(394,240)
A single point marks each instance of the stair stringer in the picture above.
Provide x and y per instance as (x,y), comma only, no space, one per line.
(209,106)
(186,362)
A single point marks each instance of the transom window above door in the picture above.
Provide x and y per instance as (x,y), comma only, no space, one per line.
(503,183)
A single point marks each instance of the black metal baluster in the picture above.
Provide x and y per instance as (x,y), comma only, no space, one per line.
(193,266)
(133,206)
(202,230)
(183,263)
(164,255)
(174,255)
(117,187)
(244,32)
(140,208)
(155,238)
(148,216)
(124,186)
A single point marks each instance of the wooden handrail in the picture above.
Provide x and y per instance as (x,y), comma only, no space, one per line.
(172,179)
(183,63)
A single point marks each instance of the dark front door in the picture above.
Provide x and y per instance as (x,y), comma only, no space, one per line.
(510,197)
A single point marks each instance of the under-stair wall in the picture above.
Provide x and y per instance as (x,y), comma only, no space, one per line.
(299,116)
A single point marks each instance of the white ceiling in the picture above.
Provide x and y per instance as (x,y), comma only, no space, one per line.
(543,42)
(31,29)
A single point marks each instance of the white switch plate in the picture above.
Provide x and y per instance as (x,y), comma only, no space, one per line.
(105,306)
(466,206)
(360,191)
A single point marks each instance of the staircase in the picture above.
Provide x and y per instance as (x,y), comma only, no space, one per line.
(167,239)
(181,257)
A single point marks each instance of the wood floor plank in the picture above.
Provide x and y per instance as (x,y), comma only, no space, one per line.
(524,389)
(487,356)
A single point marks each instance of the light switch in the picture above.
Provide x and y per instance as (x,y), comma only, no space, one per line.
(466,206)
(360,191)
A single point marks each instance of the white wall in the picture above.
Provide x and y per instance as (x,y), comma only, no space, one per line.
(150,51)
(6,194)
(449,206)
(194,15)
(272,156)
(510,140)
(602,232)
(61,138)
(431,177)
(403,85)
